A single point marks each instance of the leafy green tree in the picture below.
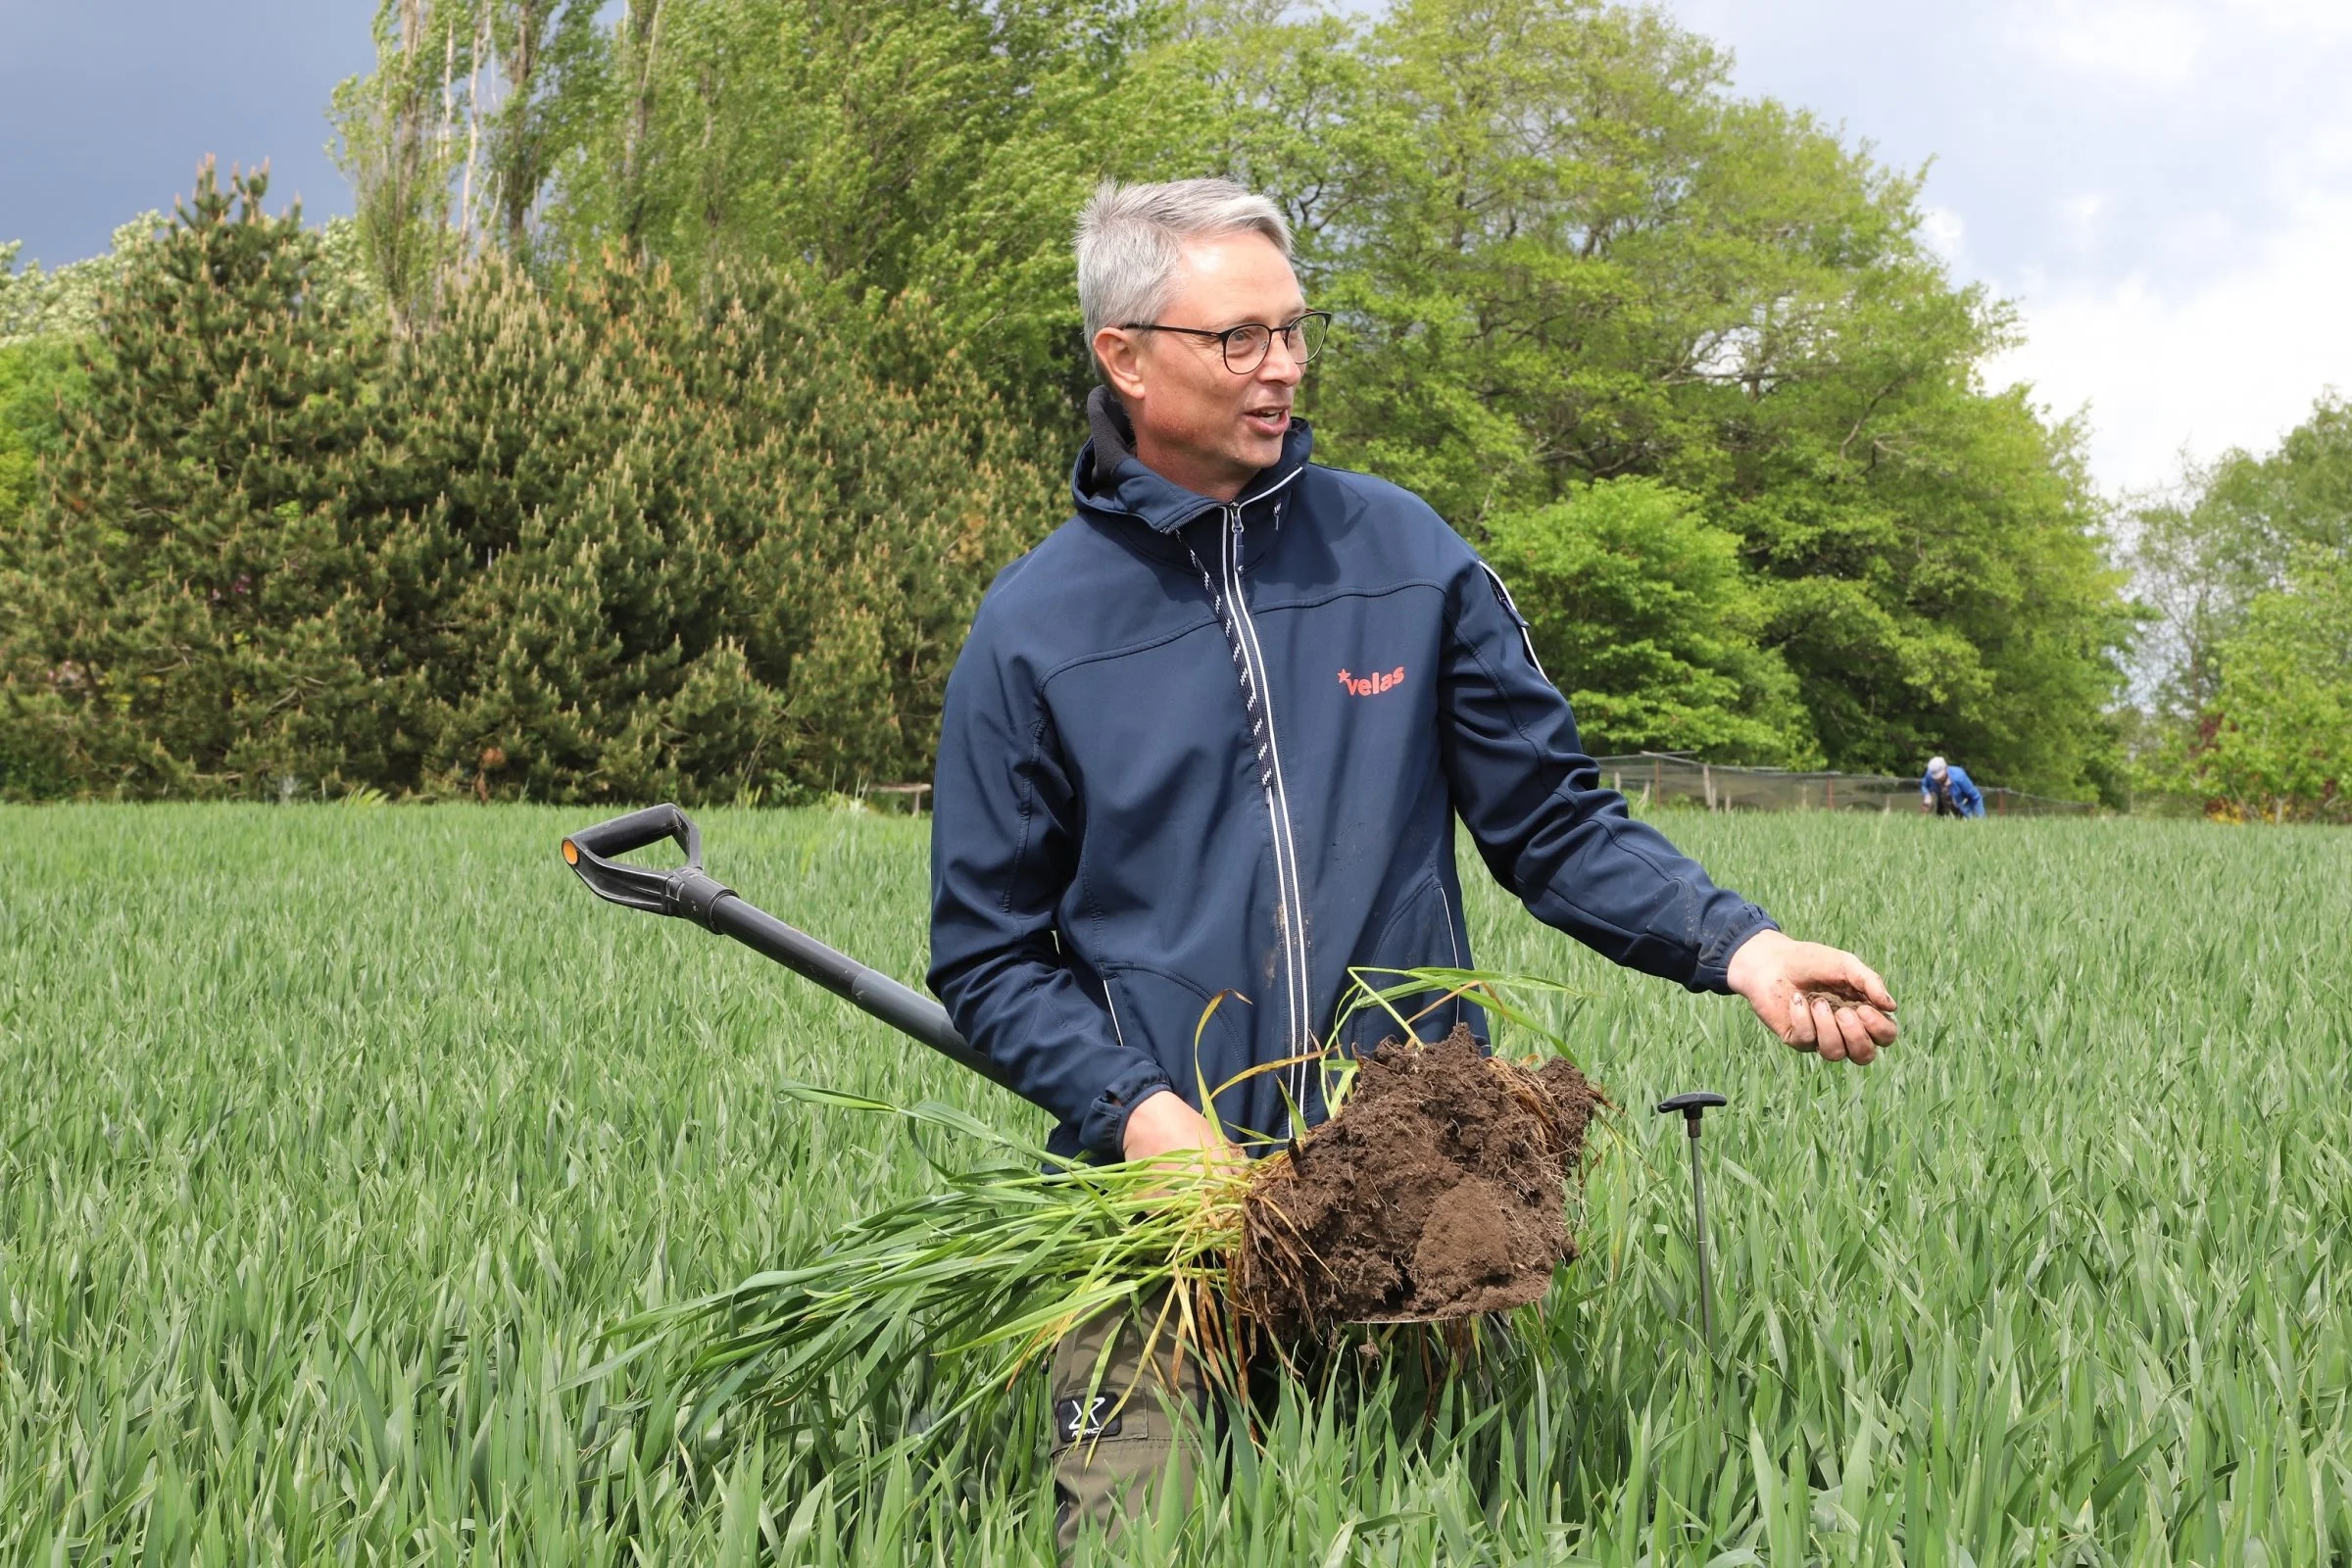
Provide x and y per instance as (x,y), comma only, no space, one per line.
(1953,595)
(2275,743)
(2237,680)
(405,133)
(1643,614)
(1562,253)
(878,149)
(540,50)
(2229,533)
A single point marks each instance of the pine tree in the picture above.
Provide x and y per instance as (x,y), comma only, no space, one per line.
(701,548)
(591,538)
(189,608)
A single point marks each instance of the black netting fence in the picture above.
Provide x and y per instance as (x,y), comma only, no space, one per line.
(1660,777)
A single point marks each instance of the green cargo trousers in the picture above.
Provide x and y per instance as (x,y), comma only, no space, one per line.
(1117,1436)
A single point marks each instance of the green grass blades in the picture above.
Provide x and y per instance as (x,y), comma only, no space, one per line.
(1405,995)
(968,1286)
(334,1145)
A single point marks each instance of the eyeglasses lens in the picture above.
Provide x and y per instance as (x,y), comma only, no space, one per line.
(1246,347)
(1307,337)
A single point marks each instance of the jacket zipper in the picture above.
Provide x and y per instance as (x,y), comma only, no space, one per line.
(1291,914)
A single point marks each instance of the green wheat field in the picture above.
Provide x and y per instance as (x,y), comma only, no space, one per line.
(331,1140)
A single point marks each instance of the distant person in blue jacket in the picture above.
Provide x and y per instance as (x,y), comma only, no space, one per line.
(1948,791)
(1212,739)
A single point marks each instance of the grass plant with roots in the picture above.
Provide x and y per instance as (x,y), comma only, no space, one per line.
(960,1291)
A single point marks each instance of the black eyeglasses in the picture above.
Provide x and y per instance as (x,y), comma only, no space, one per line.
(1245,347)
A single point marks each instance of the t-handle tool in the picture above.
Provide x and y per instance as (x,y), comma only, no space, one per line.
(1694,1105)
(688,891)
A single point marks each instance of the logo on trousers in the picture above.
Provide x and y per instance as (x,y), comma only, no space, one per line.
(1372,685)
(1089,1419)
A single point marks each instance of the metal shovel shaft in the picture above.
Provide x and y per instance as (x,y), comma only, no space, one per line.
(905,1010)
(689,892)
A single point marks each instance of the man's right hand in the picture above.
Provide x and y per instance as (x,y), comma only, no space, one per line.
(1163,1124)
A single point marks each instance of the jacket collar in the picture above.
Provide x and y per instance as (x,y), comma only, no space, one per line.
(1110,481)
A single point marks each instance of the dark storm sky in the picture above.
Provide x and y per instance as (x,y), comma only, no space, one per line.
(107,104)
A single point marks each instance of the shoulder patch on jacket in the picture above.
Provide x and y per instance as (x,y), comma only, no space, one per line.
(1503,596)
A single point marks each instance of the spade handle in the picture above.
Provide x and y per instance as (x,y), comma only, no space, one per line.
(688,891)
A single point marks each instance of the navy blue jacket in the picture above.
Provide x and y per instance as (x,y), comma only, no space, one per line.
(1195,748)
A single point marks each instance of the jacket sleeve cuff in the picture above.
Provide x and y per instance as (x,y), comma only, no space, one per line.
(1103,1128)
(1715,959)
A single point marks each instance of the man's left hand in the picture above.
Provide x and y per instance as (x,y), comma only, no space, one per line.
(1815,998)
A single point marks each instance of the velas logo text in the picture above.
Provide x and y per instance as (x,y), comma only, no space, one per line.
(1372,685)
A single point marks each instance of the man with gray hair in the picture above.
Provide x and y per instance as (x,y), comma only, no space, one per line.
(1212,739)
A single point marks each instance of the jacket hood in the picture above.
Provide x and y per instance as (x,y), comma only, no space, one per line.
(1109,480)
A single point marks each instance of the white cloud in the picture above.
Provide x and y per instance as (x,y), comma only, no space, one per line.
(2168,43)
(1945,233)
(2234,360)
(2139,41)
(2080,217)
(2311,20)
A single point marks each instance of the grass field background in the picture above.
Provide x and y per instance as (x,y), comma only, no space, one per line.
(331,1139)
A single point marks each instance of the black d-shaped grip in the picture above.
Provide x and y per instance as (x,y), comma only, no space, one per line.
(683,890)
(636,830)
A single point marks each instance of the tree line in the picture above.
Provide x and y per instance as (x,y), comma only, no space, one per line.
(689,366)
(2245,574)
(594,536)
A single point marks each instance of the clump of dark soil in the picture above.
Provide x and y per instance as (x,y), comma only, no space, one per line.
(1439,1190)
